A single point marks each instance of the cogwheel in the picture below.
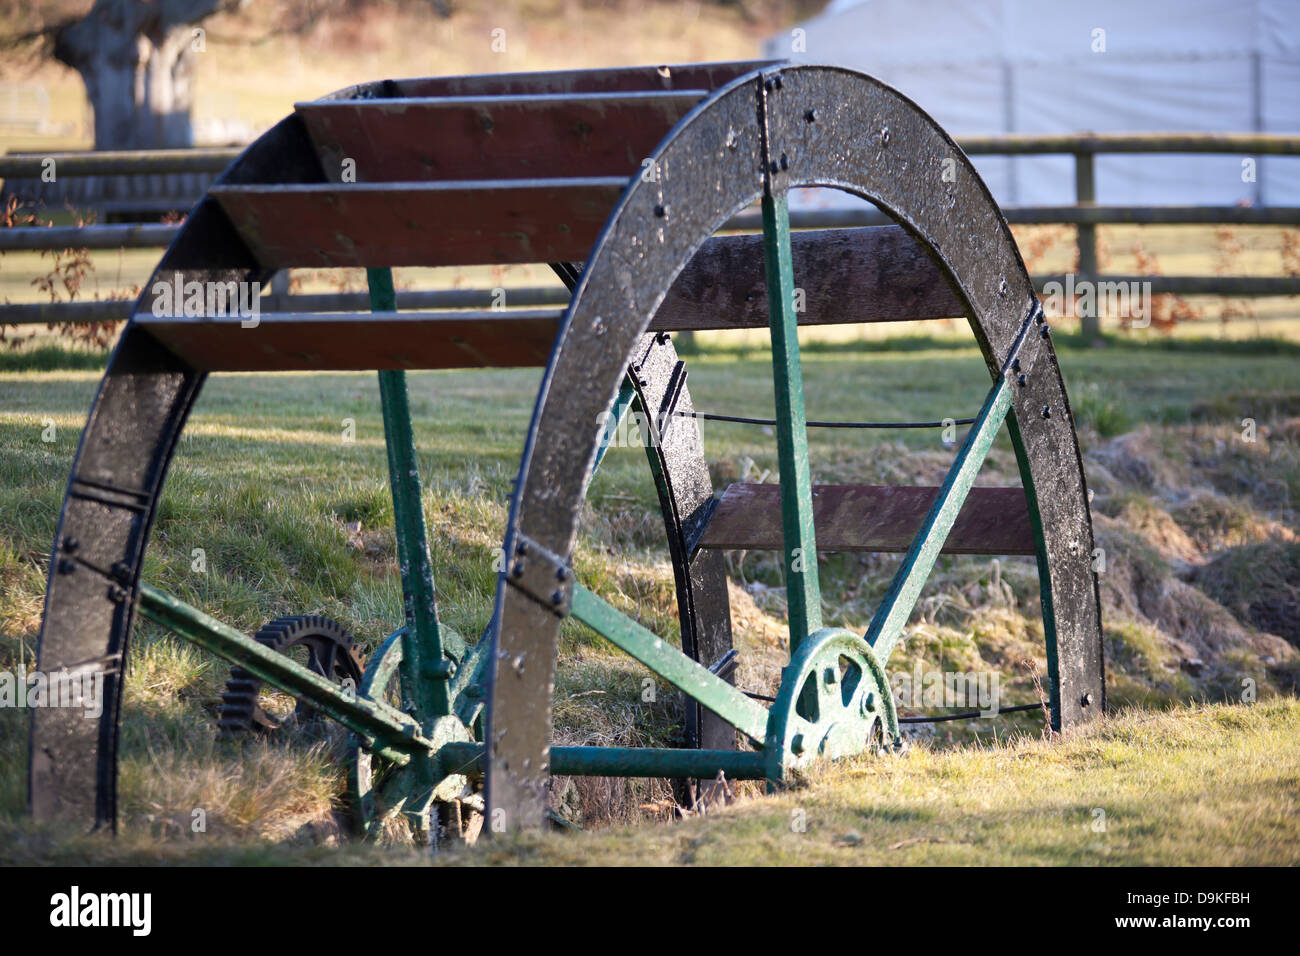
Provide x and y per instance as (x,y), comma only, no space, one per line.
(331,653)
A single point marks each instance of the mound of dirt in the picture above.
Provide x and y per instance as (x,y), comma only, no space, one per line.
(1260,585)
(1201,567)
(1139,459)
(1214,522)
(1160,531)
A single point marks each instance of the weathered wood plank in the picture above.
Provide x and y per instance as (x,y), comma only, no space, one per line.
(484,137)
(420,224)
(880,518)
(348,341)
(690,76)
(876,292)
(874,274)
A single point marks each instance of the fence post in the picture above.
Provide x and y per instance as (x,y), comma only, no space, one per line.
(1085,194)
(280,291)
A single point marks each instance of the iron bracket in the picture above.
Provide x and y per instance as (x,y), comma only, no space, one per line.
(770,82)
(541,574)
(1011,364)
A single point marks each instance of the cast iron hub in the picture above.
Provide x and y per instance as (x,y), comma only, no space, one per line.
(834,702)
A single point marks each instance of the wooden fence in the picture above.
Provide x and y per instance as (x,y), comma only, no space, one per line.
(1085,215)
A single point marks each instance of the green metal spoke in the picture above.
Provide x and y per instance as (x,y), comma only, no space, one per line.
(887,625)
(422,643)
(695,680)
(390,733)
(466,757)
(803,591)
(829,698)
(622,402)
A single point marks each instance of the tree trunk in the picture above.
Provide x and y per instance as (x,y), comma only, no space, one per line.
(137,61)
(142,96)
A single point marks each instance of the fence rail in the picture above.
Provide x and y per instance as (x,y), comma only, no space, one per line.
(143,235)
(1090,144)
(1085,215)
(116,162)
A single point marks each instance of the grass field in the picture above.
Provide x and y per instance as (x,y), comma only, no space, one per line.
(292,519)
(1208,786)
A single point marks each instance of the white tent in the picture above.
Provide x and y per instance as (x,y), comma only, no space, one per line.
(1045,66)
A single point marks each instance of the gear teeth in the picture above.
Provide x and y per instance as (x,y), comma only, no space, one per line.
(240,712)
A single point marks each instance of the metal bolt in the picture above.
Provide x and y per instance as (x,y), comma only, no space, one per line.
(796,744)
(1003,288)
(785,161)
(773,166)
(122,571)
(521,549)
(441,669)
(66,566)
(561,574)
(557,598)
(1015,365)
(1045,331)
(71,544)
(661,211)
(869,703)
(1038,316)
(1087,700)
(518,569)
(810,116)
(1020,380)
(116,592)
(884,136)
(1047,411)
(829,675)
(777,82)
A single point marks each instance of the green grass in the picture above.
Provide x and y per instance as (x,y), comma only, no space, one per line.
(1194,786)
(50,357)
(1198,785)
(291,519)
